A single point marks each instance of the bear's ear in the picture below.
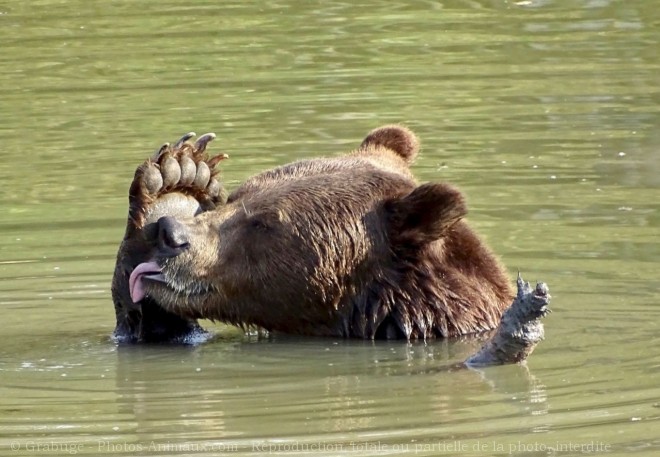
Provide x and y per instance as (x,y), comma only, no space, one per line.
(396,138)
(424,215)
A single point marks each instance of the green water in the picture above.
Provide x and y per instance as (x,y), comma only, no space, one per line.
(545,112)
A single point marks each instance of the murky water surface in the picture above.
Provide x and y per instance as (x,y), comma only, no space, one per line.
(545,112)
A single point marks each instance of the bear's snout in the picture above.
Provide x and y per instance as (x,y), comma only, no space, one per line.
(173,237)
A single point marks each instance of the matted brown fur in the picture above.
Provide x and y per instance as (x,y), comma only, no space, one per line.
(347,246)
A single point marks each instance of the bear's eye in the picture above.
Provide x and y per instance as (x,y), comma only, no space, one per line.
(267,221)
(263,221)
(259,223)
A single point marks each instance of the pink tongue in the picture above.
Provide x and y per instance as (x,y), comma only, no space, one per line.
(135,281)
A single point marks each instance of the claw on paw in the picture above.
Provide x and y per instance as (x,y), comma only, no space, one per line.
(160,151)
(203,141)
(183,139)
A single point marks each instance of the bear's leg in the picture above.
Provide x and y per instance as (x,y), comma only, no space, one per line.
(520,328)
(178,180)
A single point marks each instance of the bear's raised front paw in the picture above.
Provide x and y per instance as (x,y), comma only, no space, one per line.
(184,169)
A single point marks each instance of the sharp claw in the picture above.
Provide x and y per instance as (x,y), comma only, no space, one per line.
(215,160)
(160,151)
(183,139)
(202,141)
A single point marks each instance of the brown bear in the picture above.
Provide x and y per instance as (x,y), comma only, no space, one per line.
(350,246)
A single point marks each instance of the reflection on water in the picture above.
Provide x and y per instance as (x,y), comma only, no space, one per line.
(544,112)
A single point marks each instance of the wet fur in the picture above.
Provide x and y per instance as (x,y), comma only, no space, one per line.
(349,246)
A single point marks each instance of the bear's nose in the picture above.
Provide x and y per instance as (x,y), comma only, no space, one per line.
(172,237)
